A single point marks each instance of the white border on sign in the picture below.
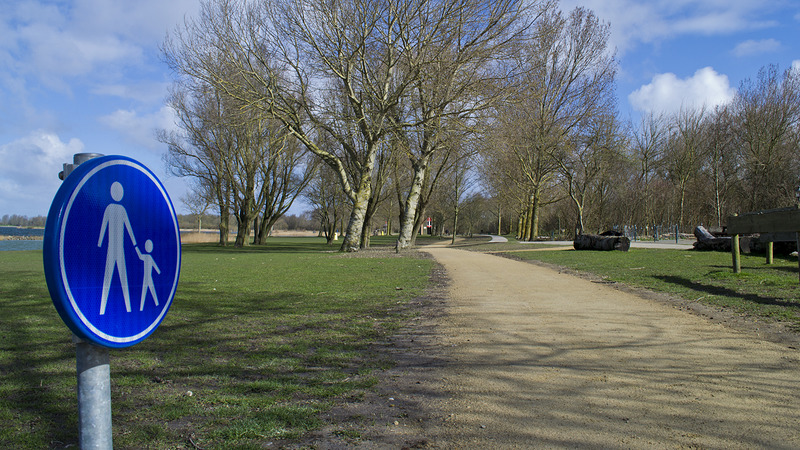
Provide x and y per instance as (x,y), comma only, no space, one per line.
(84,320)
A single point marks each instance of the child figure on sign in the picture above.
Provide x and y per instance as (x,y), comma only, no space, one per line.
(149,265)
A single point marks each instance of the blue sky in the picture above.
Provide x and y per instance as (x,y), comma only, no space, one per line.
(86,75)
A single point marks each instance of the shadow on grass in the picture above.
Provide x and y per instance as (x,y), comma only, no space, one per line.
(262,356)
(783,265)
(293,245)
(286,245)
(266,351)
(785,269)
(726,292)
(37,361)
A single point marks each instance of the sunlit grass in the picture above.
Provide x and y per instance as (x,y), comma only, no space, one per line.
(770,291)
(259,341)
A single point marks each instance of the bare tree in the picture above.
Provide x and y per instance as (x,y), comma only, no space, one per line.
(259,144)
(767,114)
(568,80)
(460,183)
(318,67)
(197,201)
(328,199)
(721,166)
(453,53)
(685,153)
(583,161)
(501,174)
(200,148)
(649,142)
(385,164)
(284,175)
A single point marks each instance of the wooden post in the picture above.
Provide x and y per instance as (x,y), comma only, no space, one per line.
(769,252)
(737,265)
(782,220)
(797,238)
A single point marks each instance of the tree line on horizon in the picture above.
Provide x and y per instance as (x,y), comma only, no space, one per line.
(499,114)
(16,220)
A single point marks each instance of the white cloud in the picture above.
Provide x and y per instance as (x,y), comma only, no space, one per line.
(54,55)
(141,21)
(141,128)
(29,171)
(752,47)
(145,92)
(53,42)
(796,65)
(634,21)
(668,94)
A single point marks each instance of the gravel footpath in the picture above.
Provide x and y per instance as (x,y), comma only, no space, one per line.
(509,354)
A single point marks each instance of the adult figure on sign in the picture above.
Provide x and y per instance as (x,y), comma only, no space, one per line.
(115,222)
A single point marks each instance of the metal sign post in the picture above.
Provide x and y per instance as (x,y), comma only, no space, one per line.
(94,395)
(112,257)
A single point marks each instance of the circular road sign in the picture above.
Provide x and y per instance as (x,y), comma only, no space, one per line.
(112,251)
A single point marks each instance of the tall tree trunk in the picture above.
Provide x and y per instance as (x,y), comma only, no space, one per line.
(366,230)
(419,218)
(243,231)
(224,218)
(536,208)
(352,238)
(223,197)
(245,218)
(389,222)
(499,221)
(266,228)
(578,201)
(257,230)
(404,240)
(330,231)
(682,203)
(579,220)
(527,236)
(455,224)
(717,197)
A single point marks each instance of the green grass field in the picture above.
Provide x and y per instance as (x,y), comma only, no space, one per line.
(767,291)
(261,341)
(258,342)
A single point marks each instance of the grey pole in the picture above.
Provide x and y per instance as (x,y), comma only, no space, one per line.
(94,396)
(77,159)
(94,372)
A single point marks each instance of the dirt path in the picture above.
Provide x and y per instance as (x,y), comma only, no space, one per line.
(535,358)
(514,355)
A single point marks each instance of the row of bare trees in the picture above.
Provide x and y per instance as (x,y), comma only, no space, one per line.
(394,108)
(697,166)
(370,87)
(242,162)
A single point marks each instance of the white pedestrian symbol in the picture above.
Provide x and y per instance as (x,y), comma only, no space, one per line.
(115,220)
(149,265)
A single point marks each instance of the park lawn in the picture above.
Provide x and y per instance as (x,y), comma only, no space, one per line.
(767,291)
(257,344)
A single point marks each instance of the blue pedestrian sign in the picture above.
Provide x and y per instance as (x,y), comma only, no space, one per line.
(112,251)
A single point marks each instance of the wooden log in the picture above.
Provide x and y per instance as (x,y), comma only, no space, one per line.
(707,241)
(595,242)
